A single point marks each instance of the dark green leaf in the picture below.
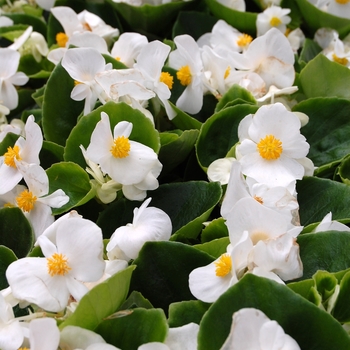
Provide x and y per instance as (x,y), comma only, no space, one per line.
(7,256)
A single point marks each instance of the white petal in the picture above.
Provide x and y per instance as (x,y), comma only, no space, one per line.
(183,338)
(44,334)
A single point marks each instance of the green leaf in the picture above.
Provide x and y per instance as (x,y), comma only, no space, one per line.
(136,300)
(50,153)
(143,130)
(184,312)
(328,128)
(245,22)
(311,327)
(73,180)
(176,148)
(344,170)
(7,256)
(317,197)
(137,327)
(15,231)
(324,251)
(8,141)
(101,301)
(163,269)
(214,248)
(149,18)
(322,77)
(184,121)
(341,309)
(235,93)
(315,18)
(216,229)
(219,133)
(37,23)
(309,51)
(60,112)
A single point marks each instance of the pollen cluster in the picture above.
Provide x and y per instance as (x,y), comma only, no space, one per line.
(57,264)
(223,265)
(26,200)
(275,21)
(11,155)
(61,39)
(244,40)
(342,60)
(184,75)
(270,148)
(167,79)
(121,147)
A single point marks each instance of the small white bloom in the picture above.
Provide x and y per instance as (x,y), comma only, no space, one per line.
(327,224)
(220,169)
(238,5)
(149,224)
(272,17)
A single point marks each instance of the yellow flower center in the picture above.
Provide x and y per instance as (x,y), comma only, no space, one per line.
(11,155)
(57,264)
(167,79)
(223,265)
(258,236)
(342,2)
(275,21)
(244,40)
(342,61)
(227,72)
(117,58)
(61,39)
(184,75)
(258,199)
(270,148)
(26,200)
(121,147)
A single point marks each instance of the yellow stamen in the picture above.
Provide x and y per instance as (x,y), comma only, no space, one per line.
(76,82)
(275,22)
(118,58)
(11,155)
(244,40)
(61,39)
(26,200)
(223,265)
(342,2)
(344,61)
(227,72)
(184,75)
(8,205)
(270,148)
(57,264)
(258,199)
(167,79)
(121,147)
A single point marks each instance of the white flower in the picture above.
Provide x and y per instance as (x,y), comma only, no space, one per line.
(187,60)
(339,8)
(125,161)
(149,224)
(75,257)
(16,126)
(238,5)
(263,333)
(272,17)
(83,71)
(270,146)
(9,77)
(220,170)
(24,151)
(327,224)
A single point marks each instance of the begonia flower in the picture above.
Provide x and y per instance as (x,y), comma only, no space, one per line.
(327,224)
(272,17)
(149,224)
(74,258)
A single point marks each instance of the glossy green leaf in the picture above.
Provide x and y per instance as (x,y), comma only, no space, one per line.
(7,256)
(176,148)
(322,77)
(184,121)
(216,229)
(311,327)
(134,328)
(235,93)
(101,301)
(344,170)
(328,128)
(15,231)
(73,180)
(50,153)
(150,18)
(243,21)
(163,269)
(143,130)
(136,300)
(184,312)
(324,251)
(219,133)
(315,18)
(215,247)
(60,112)
(317,197)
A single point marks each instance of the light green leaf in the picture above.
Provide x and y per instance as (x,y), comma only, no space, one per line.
(101,301)
(341,309)
(219,133)
(312,328)
(215,247)
(134,328)
(163,269)
(73,180)
(143,130)
(215,229)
